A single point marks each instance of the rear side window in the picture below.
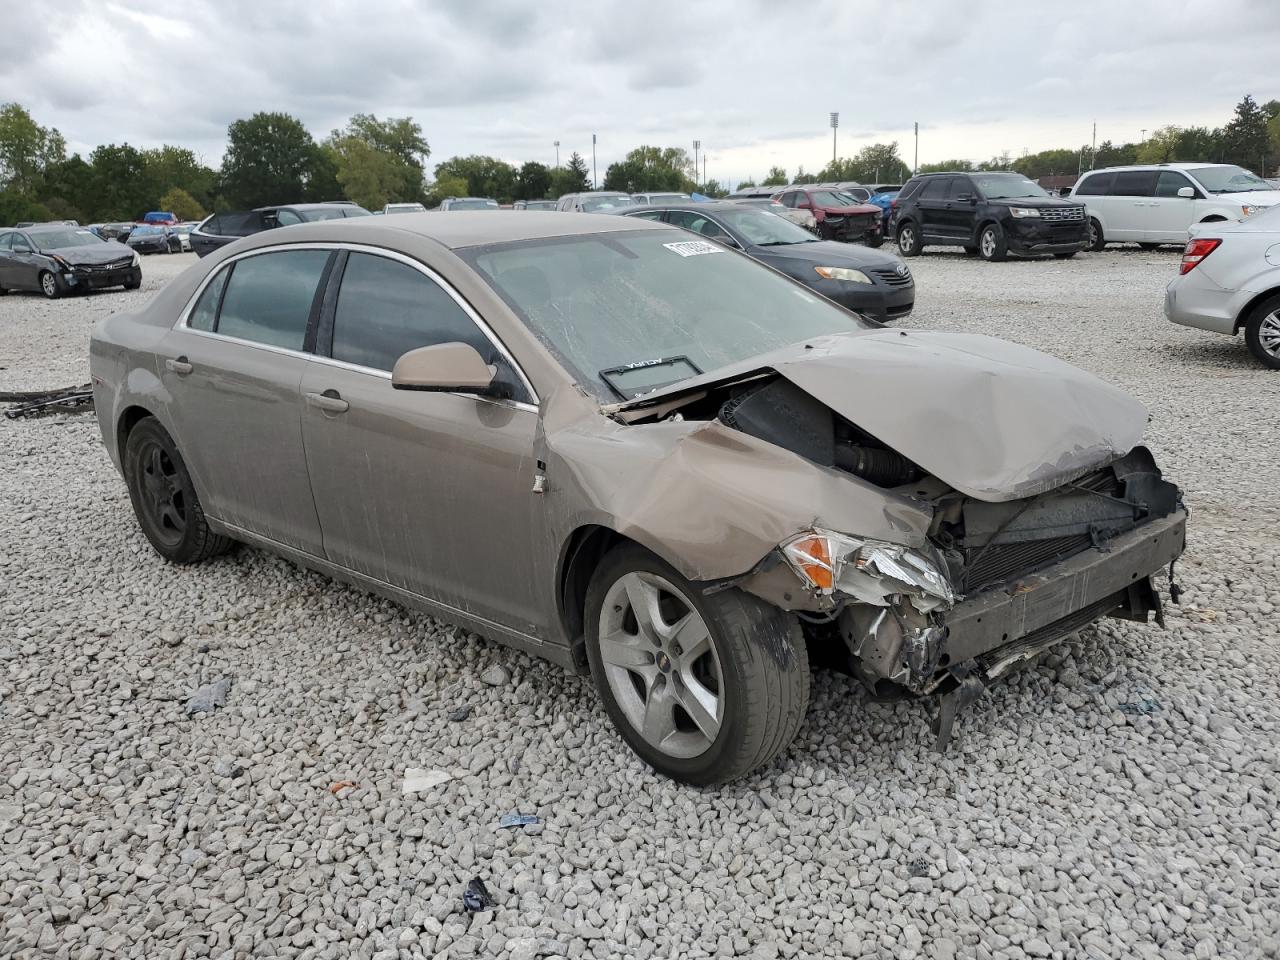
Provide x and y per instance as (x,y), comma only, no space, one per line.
(269,297)
(210,226)
(205,315)
(1098,185)
(1134,183)
(936,188)
(386,308)
(6,241)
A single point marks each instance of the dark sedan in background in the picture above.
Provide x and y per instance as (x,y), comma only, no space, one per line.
(222,228)
(153,238)
(876,284)
(54,259)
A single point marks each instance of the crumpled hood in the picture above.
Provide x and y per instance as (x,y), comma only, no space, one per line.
(996,420)
(94,253)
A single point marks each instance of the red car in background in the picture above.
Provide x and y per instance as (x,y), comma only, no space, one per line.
(839,216)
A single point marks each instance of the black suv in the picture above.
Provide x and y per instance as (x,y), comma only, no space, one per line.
(222,228)
(989,214)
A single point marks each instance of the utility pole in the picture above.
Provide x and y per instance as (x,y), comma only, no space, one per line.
(697,145)
(704,171)
(915,166)
(557,154)
(835,122)
(593,161)
(1144,135)
(1093,150)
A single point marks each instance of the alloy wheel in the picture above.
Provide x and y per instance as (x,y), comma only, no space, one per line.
(49,284)
(1269,334)
(163,498)
(988,242)
(661,664)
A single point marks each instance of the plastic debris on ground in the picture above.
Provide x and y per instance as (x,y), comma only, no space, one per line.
(334,788)
(517,820)
(209,697)
(918,868)
(1141,702)
(417,780)
(476,897)
(464,711)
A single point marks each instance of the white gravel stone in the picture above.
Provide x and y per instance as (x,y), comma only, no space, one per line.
(1057,826)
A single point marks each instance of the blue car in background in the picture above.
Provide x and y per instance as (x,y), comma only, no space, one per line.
(884,200)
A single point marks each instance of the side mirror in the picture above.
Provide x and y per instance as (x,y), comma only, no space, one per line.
(1188,192)
(443,368)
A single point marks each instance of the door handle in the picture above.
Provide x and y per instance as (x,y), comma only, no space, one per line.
(330,401)
(181,366)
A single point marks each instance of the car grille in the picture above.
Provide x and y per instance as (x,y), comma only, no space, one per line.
(892,276)
(1054,214)
(97,268)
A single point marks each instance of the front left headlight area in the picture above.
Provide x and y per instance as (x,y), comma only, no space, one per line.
(869,571)
(842,273)
(1022,212)
(137,260)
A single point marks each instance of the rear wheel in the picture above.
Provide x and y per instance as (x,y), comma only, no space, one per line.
(164,499)
(49,285)
(705,688)
(909,240)
(1096,240)
(992,244)
(1262,333)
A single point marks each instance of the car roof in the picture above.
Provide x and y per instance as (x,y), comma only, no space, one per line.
(49,227)
(1175,165)
(728,206)
(305,206)
(479,228)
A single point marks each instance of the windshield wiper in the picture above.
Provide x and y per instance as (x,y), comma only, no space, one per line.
(785,243)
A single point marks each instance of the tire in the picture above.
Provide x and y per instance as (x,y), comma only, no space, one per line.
(164,499)
(874,242)
(133,284)
(910,244)
(1149,246)
(1262,333)
(1065,256)
(748,664)
(49,285)
(993,246)
(1096,240)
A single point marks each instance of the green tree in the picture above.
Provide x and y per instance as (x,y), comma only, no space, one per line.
(443,188)
(68,186)
(712,188)
(577,167)
(167,167)
(1002,162)
(802,177)
(120,187)
(26,149)
(1048,163)
(377,161)
(570,179)
(182,204)
(485,176)
(747,184)
(1161,146)
(874,163)
(1198,143)
(15,207)
(649,169)
(533,181)
(946,166)
(1246,139)
(777,178)
(270,158)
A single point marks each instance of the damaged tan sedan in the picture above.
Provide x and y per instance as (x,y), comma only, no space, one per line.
(639,454)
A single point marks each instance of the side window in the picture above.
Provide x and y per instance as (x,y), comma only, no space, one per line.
(6,240)
(695,222)
(1134,183)
(859,193)
(210,226)
(649,215)
(961,186)
(205,314)
(936,188)
(788,199)
(287,218)
(1169,182)
(910,190)
(1098,185)
(269,297)
(386,308)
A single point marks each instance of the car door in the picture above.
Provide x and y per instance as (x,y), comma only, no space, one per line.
(6,260)
(1132,201)
(1170,216)
(433,493)
(932,206)
(233,366)
(962,204)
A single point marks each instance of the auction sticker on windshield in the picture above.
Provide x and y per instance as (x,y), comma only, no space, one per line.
(692,248)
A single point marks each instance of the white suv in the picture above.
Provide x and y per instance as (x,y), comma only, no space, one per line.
(1158,203)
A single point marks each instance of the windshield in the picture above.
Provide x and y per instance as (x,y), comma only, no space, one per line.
(473,204)
(765,229)
(829,198)
(1229,179)
(1006,186)
(331,213)
(540,205)
(405,208)
(145,229)
(57,239)
(606,301)
(591,204)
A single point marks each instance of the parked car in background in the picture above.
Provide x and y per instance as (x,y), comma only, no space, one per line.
(651,460)
(1157,203)
(468,203)
(875,284)
(839,216)
(183,230)
(160,218)
(113,231)
(1229,282)
(801,218)
(54,260)
(990,215)
(643,198)
(404,208)
(594,201)
(534,205)
(884,200)
(219,229)
(152,238)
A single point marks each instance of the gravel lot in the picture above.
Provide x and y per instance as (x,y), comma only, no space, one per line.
(1117,799)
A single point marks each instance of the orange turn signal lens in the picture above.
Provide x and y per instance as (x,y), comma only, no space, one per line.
(811,556)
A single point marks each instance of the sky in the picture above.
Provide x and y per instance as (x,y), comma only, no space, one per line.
(755,85)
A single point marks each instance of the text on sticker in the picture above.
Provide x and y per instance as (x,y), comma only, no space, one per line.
(692,248)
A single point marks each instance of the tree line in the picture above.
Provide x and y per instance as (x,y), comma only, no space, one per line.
(272,158)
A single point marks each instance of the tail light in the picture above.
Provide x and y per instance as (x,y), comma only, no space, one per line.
(1195,251)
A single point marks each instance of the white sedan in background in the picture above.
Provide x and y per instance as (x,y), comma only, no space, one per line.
(1230,281)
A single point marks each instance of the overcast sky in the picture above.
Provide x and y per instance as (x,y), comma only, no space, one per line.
(509,77)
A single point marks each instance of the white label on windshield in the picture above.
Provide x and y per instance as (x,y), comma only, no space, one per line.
(693,248)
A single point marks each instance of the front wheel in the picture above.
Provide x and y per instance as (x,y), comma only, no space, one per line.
(164,499)
(873,240)
(992,244)
(1262,333)
(49,285)
(909,240)
(1096,240)
(705,688)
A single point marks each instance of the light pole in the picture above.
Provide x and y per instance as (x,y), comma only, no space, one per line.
(915,165)
(704,171)
(697,145)
(593,161)
(1144,135)
(557,154)
(835,122)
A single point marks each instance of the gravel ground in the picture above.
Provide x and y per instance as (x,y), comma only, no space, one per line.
(1117,799)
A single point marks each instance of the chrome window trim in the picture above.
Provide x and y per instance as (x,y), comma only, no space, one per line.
(185,314)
